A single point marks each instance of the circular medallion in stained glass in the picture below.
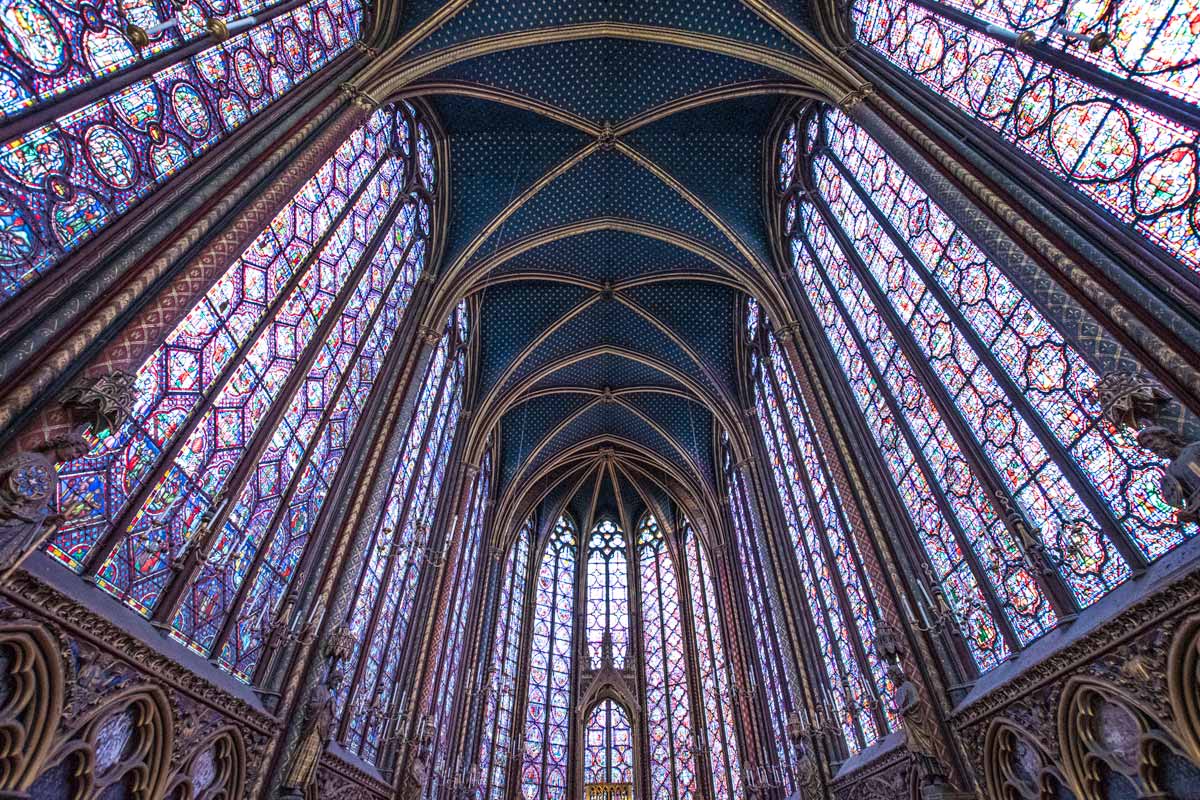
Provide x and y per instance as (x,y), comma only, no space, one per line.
(33,35)
(138,105)
(105,48)
(1094,140)
(249,75)
(76,216)
(293,49)
(1165,182)
(13,94)
(167,157)
(111,156)
(326,30)
(190,110)
(233,111)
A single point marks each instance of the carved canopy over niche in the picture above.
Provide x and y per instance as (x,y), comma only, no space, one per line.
(215,771)
(77,722)
(1107,729)
(126,742)
(31,699)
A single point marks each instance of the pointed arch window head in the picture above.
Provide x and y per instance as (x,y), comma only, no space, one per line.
(608,745)
(981,408)
(64,181)
(548,711)
(1103,96)
(607,595)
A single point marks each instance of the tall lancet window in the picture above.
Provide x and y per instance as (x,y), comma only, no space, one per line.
(840,601)
(198,510)
(1105,97)
(463,552)
(983,412)
(716,679)
(399,550)
(607,594)
(766,619)
(672,742)
(608,745)
(98,119)
(548,715)
(500,684)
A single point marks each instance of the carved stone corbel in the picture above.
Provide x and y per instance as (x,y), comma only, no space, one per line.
(29,497)
(1133,402)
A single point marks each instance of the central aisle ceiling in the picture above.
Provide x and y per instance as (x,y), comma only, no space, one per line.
(606,209)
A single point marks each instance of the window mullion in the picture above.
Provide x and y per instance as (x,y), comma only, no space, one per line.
(811,575)
(373,622)
(1070,467)
(852,625)
(119,526)
(784,436)
(965,545)
(1055,587)
(173,595)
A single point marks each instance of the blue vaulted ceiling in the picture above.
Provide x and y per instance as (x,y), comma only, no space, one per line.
(606,213)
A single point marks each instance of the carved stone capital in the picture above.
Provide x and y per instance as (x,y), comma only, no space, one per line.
(430,336)
(358,97)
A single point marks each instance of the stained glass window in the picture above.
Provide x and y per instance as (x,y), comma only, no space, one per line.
(608,745)
(464,553)
(716,687)
(548,714)
(399,550)
(765,620)
(970,393)
(839,598)
(64,181)
(607,594)
(500,684)
(1101,95)
(672,743)
(244,412)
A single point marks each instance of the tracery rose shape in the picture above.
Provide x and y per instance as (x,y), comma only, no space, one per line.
(1094,141)
(1165,182)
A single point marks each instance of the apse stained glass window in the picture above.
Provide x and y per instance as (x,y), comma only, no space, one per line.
(716,688)
(607,594)
(672,742)
(548,713)
(399,551)
(1101,95)
(765,619)
(608,745)
(839,599)
(965,384)
(496,743)
(464,552)
(64,181)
